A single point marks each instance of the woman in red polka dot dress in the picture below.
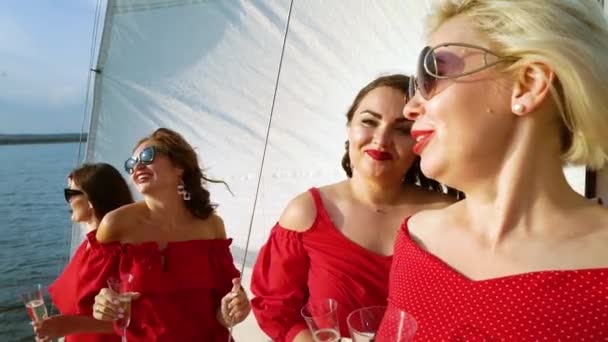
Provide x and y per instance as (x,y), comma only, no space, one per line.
(506,94)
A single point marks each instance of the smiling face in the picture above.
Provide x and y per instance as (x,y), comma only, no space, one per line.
(160,174)
(380,146)
(465,128)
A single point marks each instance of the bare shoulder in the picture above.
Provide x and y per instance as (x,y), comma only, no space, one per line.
(300,213)
(602,213)
(115,223)
(430,222)
(423,220)
(214,227)
(598,224)
(602,241)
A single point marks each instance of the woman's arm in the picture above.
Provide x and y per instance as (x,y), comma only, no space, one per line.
(62,325)
(280,274)
(234,307)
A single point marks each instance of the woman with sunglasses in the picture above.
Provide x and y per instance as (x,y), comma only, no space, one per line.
(506,94)
(337,241)
(174,246)
(93,191)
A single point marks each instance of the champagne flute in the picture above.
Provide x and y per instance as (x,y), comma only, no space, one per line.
(34,303)
(322,319)
(364,323)
(122,286)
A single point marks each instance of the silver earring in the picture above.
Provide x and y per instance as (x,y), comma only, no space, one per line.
(181,190)
(518,108)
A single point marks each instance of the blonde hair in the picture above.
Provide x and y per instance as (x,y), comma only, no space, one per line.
(571,37)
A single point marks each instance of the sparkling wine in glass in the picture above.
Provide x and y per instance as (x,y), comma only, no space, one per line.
(326,335)
(364,323)
(34,303)
(122,286)
(321,316)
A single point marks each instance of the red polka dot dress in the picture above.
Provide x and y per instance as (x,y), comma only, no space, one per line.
(567,305)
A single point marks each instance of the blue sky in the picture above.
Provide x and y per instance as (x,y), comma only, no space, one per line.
(44,61)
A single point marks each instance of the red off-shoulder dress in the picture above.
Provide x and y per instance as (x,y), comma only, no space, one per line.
(74,291)
(321,262)
(181,287)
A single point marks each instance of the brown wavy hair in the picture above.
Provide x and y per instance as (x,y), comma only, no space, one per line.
(104,186)
(182,155)
(414,175)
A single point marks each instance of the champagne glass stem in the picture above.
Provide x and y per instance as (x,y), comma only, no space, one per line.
(230,329)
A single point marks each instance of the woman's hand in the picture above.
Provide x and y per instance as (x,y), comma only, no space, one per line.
(235,306)
(303,336)
(107,306)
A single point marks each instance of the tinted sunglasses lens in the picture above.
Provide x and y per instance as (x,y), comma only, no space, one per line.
(69,193)
(411,89)
(147,155)
(130,165)
(426,81)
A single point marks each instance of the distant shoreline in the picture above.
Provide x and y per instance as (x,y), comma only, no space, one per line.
(18,139)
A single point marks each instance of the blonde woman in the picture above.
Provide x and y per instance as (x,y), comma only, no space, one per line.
(506,93)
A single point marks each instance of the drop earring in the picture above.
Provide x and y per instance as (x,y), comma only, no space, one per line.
(181,190)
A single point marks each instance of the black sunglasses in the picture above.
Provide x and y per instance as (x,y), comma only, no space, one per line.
(440,63)
(146,157)
(69,193)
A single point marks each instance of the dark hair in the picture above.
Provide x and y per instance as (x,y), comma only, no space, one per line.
(182,155)
(105,188)
(414,174)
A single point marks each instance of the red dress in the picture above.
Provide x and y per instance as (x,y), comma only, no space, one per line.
(319,263)
(535,306)
(74,291)
(181,288)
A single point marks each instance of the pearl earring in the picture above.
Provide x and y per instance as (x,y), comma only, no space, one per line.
(518,108)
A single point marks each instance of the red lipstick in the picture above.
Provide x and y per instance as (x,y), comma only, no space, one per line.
(422,139)
(379,155)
